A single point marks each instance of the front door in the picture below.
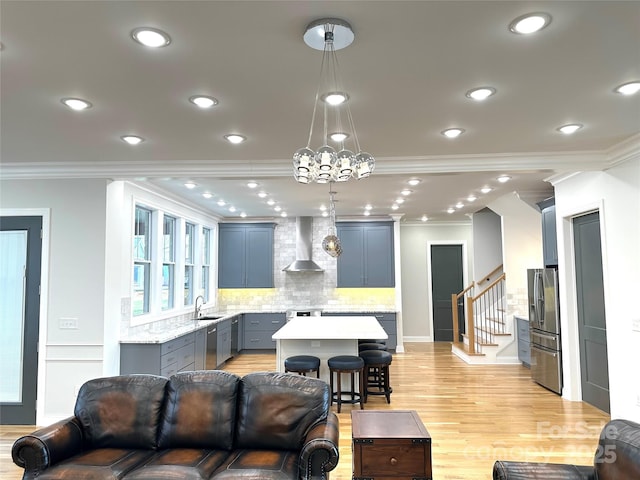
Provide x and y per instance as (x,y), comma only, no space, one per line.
(446,278)
(592,328)
(21,253)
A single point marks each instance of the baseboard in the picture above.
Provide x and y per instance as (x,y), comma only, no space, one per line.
(427,339)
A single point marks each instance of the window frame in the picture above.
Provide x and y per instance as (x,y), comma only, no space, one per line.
(143,261)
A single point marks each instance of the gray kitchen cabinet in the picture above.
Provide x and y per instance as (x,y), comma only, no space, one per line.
(549,232)
(224,342)
(164,359)
(387,321)
(258,329)
(245,255)
(200,348)
(367,254)
(524,346)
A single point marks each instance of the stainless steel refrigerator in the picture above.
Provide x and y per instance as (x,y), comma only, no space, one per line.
(544,328)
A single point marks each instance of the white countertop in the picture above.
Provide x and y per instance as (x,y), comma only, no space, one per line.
(331,328)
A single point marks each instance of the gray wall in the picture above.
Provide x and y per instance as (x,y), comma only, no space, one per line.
(487,241)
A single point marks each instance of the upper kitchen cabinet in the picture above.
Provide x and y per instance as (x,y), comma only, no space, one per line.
(367,254)
(245,255)
(549,234)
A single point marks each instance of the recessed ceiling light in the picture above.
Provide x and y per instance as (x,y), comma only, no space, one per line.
(481,93)
(451,210)
(334,98)
(399,200)
(459,205)
(414,181)
(203,101)
(406,192)
(271,202)
(424,218)
(630,88)
(395,206)
(221,203)
(471,198)
(190,185)
(530,23)
(232,209)
(339,136)
(252,184)
(504,178)
(323,208)
(132,139)
(452,132)
(277,208)
(235,138)
(283,214)
(151,37)
(366,213)
(368,207)
(486,189)
(569,129)
(262,194)
(243,214)
(325,214)
(76,103)
(207,195)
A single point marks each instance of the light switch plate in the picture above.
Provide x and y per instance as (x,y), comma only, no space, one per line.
(68,323)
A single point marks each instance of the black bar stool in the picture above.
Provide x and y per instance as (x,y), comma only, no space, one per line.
(347,364)
(376,373)
(302,364)
(371,346)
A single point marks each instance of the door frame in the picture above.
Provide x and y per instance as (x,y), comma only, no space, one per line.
(45,214)
(465,279)
(572,388)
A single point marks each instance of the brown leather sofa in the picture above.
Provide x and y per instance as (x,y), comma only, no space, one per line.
(193,426)
(617,457)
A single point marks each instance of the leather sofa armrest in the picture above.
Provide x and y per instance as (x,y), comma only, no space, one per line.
(47,446)
(319,453)
(539,471)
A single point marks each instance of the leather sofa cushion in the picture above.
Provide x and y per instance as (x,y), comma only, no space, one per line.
(180,463)
(121,411)
(259,465)
(618,452)
(199,411)
(275,410)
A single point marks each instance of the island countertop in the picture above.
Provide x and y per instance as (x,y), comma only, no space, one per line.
(331,328)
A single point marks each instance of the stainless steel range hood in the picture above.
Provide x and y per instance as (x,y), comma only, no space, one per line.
(304,247)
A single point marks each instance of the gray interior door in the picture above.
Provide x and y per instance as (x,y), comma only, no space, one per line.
(21,253)
(446,278)
(592,328)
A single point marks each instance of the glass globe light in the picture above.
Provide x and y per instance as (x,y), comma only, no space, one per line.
(331,245)
(365,165)
(325,159)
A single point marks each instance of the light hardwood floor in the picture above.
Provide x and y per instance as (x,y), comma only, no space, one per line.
(475,415)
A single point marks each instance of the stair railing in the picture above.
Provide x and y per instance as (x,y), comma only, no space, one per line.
(457,301)
(486,313)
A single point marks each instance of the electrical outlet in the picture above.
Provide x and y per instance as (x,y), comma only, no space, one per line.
(68,323)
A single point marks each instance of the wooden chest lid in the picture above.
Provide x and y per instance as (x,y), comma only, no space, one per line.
(387,424)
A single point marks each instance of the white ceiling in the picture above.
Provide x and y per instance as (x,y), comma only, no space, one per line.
(407,73)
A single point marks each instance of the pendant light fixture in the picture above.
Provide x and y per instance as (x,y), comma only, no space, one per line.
(326,164)
(331,243)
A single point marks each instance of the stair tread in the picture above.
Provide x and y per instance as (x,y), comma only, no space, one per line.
(465,348)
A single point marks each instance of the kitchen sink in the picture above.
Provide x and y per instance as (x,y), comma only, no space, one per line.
(210,317)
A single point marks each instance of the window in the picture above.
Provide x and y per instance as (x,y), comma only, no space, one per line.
(141,261)
(168,262)
(206,262)
(189,245)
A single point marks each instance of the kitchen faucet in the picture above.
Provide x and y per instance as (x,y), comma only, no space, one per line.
(197,312)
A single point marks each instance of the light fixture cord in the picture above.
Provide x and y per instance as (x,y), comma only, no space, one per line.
(315,103)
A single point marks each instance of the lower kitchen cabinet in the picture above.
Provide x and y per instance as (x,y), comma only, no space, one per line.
(524,347)
(164,359)
(258,329)
(224,342)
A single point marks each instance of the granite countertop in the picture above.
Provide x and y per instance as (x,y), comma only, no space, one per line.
(165,334)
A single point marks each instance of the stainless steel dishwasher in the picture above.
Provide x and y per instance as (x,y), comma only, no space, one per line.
(211,362)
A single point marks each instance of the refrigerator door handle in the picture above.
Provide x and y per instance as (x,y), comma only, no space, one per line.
(538,293)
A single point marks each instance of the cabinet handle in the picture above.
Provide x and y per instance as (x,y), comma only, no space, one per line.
(393,461)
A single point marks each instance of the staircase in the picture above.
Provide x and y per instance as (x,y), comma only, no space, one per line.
(487,338)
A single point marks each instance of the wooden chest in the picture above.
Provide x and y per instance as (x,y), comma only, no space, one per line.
(390,445)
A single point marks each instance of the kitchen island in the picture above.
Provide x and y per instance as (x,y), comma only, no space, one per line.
(324,337)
